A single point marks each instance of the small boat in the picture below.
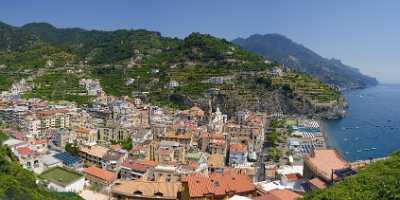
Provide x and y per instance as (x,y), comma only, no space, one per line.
(373,148)
(358,151)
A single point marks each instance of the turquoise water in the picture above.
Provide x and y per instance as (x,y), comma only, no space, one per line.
(372,121)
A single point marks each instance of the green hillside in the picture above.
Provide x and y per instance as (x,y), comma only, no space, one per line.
(380,180)
(20,184)
(56,59)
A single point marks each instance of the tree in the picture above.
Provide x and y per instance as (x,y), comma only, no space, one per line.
(72,148)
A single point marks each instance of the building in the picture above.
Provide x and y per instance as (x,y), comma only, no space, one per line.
(237,154)
(69,160)
(166,173)
(133,170)
(63,180)
(84,135)
(216,163)
(93,153)
(277,194)
(147,190)
(217,186)
(322,163)
(100,176)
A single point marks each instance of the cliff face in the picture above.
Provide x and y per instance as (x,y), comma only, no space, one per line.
(295,56)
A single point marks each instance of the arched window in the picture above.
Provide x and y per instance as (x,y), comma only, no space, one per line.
(158,194)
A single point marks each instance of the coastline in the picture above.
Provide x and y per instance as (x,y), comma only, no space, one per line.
(325,135)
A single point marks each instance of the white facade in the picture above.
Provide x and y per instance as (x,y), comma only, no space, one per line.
(75,186)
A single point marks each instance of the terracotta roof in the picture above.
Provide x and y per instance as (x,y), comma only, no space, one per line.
(148,189)
(24,151)
(218,184)
(105,175)
(130,164)
(318,183)
(277,194)
(148,162)
(323,161)
(237,148)
(291,177)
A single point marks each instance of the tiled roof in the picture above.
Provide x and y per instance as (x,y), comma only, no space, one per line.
(323,161)
(105,175)
(218,184)
(130,164)
(291,177)
(147,189)
(278,194)
(237,148)
(318,183)
(149,163)
(24,151)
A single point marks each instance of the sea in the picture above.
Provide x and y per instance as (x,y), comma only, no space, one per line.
(371,128)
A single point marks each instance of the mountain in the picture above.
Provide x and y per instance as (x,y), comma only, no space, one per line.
(171,72)
(293,55)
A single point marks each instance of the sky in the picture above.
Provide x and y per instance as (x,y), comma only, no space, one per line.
(362,33)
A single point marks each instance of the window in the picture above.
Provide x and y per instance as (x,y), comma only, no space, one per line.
(137,192)
(158,194)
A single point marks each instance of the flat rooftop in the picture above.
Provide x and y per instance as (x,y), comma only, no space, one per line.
(61,176)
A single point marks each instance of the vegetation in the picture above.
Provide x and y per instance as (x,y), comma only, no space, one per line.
(377,181)
(125,144)
(140,62)
(18,183)
(58,86)
(71,148)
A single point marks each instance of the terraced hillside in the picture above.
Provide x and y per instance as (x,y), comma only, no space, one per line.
(169,71)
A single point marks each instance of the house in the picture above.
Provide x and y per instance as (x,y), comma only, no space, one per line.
(217,186)
(133,170)
(146,190)
(172,84)
(50,161)
(216,163)
(93,153)
(112,160)
(28,158)
(237,154)
(166,173)
(69,160)
(322,163)
(99,176)
(278,194)
(63,180)
(84,135)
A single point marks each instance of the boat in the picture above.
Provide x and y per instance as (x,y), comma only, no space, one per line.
(358,151)
(373,148)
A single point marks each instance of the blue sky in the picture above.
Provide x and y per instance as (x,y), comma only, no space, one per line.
(362,33)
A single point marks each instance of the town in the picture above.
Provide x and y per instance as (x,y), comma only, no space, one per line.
(122,148)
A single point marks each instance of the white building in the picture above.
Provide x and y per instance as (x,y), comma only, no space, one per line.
(72,182)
